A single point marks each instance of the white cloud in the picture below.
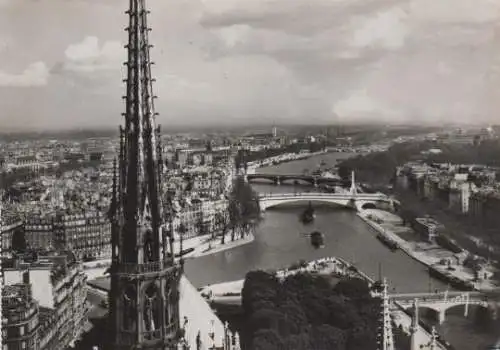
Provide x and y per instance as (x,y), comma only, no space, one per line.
(360,105)
(219,60)
(4,43)
(387,29)
(235,34)
(456,11)
(36,74)
(89,55)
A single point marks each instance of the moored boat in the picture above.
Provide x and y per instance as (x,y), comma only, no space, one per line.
(392,244)
(308,215)
(317,239)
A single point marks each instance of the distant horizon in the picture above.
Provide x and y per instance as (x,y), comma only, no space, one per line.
(226,127)
(310,62)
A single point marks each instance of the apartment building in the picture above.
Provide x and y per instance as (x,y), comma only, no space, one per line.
(58,285)
(87,234)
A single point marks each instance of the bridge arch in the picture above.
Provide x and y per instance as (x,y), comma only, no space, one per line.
(294,180)
(304,202)
(349,200)
(261,179)
(466,308)
(368,205)
(427,311)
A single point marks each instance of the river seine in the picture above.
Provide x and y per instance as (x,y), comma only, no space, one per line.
(280,241)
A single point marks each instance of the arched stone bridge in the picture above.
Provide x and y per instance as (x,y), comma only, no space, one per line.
(312,179)
(443,301)
(356,201)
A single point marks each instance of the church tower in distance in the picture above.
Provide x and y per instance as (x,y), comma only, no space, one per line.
(144,298)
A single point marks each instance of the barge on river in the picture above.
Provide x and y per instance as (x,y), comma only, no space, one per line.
(317,239)
(308,215)
(392,244)
(453,281)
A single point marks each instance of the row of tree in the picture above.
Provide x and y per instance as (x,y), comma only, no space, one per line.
(305,312)
(379,167)
(245,156)
(242,214)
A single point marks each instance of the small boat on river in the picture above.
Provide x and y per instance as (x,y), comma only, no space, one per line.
(308,215)
(317,239)
(392,244)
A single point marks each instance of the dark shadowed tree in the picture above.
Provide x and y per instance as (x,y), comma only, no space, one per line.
(362,338)
(223,223)
(297,342)
(341,314)
(408,216)
(265,318)
(244,209)
(327,337)
(345,172)
(294,319)
(18,240)
(305,312)
(355,288)
(267,339)
(258,286)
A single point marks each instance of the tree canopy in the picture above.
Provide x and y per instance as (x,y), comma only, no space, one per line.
(18,240)
(380,166)
(305,312)
(243,207)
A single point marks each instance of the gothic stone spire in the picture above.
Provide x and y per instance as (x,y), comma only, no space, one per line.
(140,175)
(386,339)
(144,298)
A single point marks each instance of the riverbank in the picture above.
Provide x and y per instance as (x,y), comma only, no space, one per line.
(282,158)
(228,295)
(206,245)
(197,246)
(428,254)
(330,266)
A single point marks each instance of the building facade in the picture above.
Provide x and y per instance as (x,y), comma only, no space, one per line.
(459,196)
(58,285)
(8,231)
(20,317)
(38,232)
(428,228)
(87,234)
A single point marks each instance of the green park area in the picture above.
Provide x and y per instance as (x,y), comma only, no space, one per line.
(305,311)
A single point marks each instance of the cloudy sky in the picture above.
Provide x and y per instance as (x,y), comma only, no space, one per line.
(255,60)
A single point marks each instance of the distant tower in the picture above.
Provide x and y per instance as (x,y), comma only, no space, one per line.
(144,297)
(414,345)
(353,190)
(275,131)
(386,338)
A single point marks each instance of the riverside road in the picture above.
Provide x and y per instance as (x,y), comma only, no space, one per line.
(281,240)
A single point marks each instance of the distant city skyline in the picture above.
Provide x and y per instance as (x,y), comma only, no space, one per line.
(260,61)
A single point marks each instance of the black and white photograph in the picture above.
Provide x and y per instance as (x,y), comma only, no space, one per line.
(250,174)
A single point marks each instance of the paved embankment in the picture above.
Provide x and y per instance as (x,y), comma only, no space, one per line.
(459,272)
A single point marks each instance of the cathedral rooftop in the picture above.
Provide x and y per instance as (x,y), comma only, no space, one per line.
(201,318)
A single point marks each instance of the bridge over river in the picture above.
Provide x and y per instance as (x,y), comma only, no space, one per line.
(441,302)
(292,178)
(348,199)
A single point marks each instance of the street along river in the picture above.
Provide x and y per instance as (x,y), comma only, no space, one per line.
(280,241)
